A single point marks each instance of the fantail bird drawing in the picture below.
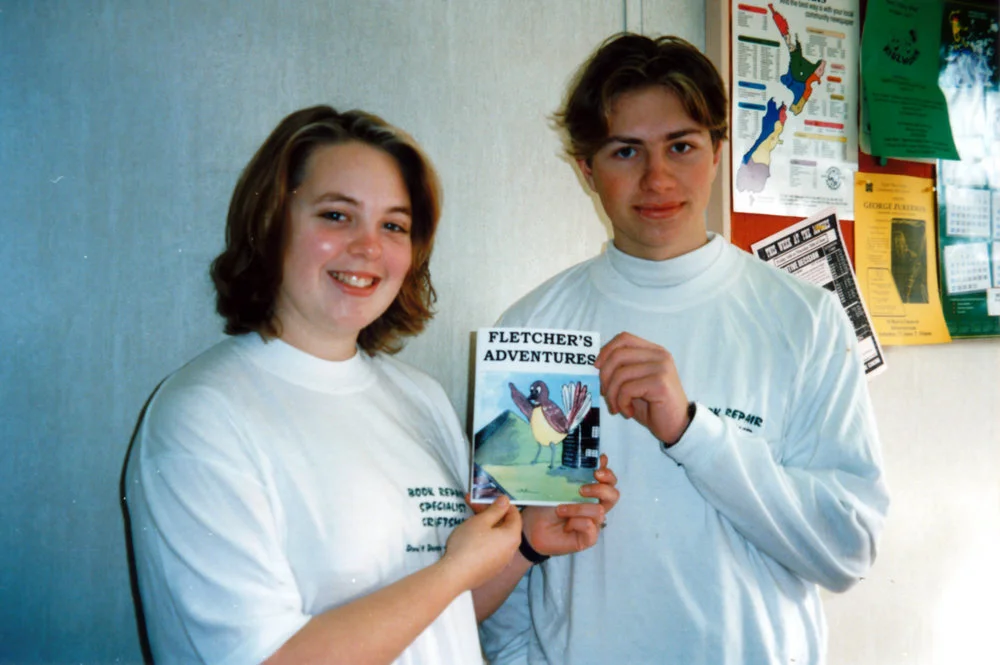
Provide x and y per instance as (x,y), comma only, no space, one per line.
(549,423)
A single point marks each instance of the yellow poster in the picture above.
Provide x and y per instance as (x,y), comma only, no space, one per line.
(895,240)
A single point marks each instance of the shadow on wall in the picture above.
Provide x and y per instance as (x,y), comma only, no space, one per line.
(140,619)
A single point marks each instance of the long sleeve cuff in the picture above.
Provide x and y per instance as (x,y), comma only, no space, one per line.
(704,427)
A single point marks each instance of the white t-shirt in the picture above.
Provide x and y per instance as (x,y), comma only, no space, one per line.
(266,486)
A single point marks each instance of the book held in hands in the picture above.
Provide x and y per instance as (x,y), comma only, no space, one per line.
(536,415)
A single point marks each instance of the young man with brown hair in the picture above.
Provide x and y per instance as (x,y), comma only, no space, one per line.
(737,409)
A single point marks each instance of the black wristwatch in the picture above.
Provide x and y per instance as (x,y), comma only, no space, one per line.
(529,553)
(692,409)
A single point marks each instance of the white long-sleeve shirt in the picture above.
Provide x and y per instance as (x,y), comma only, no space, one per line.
(715,550)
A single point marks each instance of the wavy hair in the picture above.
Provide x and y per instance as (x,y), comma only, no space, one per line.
(627,62)
(248,273)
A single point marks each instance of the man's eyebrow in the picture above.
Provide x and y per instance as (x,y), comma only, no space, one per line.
(631,140)
(627,140)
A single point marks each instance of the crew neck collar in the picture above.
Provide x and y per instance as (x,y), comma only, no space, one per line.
(296,366)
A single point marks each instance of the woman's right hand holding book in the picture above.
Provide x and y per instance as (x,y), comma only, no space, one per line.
(484,544)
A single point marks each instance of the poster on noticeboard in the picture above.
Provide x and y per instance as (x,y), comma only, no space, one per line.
(814,250)
(968,189)
(794,127)
(895,250)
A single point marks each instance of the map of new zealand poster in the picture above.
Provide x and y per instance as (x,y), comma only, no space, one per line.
(536,422)
(794,129)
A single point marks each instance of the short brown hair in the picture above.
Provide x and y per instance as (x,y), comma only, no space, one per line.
(248,273)
(627,62)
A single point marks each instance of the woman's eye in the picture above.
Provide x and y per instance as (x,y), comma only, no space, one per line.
(625,152)
(334,216)
(396,228)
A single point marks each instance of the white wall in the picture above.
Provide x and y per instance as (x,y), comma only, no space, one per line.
(932,598)
(123,127)
(122,131)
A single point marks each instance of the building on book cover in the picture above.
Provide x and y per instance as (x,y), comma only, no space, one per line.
(536,415)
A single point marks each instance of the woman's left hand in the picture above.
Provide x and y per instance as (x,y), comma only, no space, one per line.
(572,527)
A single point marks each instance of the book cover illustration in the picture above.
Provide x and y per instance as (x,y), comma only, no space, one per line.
(536,415)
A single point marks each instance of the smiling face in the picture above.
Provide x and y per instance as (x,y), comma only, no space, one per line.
(654,174)
(347,249)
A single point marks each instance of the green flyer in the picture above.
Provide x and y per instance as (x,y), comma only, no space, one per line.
(906,110)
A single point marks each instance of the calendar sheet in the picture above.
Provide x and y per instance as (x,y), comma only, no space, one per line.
(969,241)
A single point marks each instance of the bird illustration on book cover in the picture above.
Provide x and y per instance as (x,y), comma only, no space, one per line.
(536,429)
(549,424)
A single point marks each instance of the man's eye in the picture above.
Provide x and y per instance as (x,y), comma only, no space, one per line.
(625,152)
(681,148)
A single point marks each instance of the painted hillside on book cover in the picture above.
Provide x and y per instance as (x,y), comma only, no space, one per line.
(541,442)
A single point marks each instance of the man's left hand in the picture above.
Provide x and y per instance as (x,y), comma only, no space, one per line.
(639,380)
(572,527)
